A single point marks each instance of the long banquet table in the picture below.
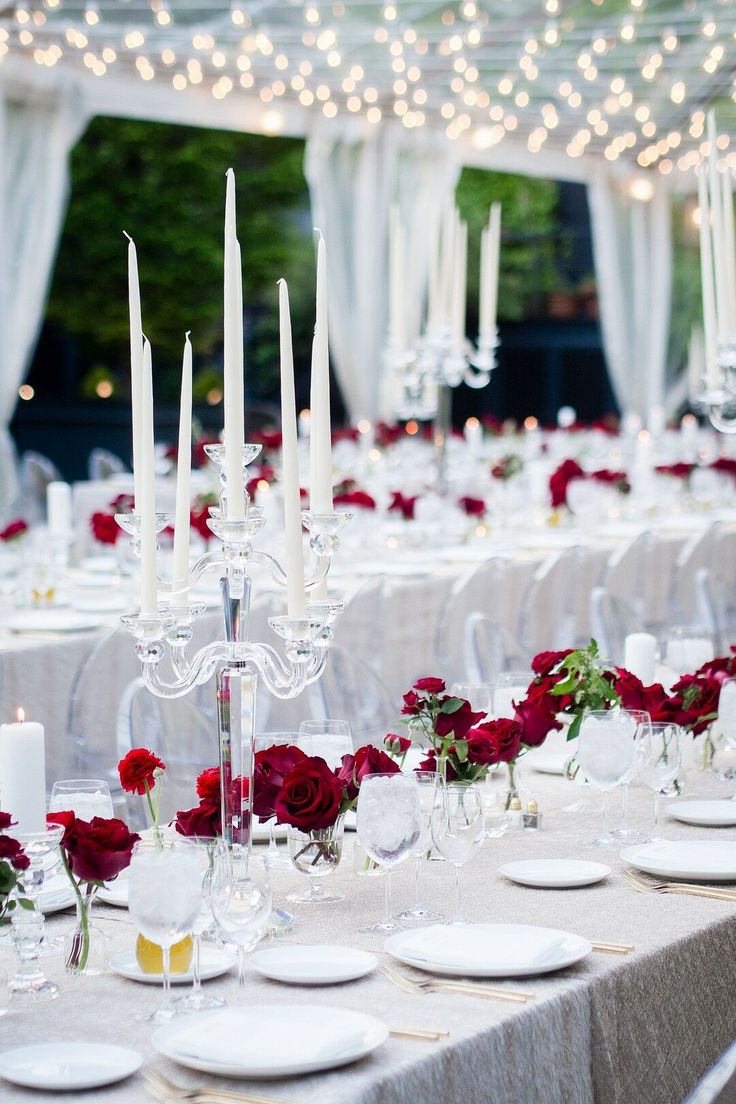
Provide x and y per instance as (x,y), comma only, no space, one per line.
(613,1029)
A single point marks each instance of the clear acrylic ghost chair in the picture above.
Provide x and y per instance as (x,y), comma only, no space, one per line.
(36,472)
(716,608)
(718,1086)
(625,576)
(103,464)
(350,690)
(556,609)
(697,553)
(611,621)
(489,649)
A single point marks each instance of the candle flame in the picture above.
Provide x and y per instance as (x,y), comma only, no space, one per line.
(21,715)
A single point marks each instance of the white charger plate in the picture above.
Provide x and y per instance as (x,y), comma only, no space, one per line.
(488,950)
(708,814)
(301,964)
(213,963)
(270,1040)
(68,1066)
(689,860)
(51,620)
(555,873)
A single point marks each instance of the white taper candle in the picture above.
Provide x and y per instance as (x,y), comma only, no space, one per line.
(180,570)
(147,507)
(234,387)
(136,361)
(295,597)
(320,436)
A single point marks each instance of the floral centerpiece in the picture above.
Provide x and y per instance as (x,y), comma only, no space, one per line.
(569,470)
(14,530)
(13,861)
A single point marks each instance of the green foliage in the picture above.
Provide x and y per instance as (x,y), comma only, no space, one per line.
(165,185)
(528,224)
(585,676)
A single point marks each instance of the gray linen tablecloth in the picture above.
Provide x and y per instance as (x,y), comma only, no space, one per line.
(639,1029)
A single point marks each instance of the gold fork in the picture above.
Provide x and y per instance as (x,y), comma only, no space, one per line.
(409,985)
(168,1091)
(686,888)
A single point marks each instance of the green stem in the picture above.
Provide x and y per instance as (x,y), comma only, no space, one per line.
(79,953)
(153,810)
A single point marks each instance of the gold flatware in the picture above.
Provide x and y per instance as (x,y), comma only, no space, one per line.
(435,985)
(688,889)
(169,1092)
(613,948)
(418,1033)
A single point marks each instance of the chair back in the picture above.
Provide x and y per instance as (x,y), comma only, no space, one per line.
(697,553)
(36,472)
(611,621)
(489,649)
(350,690)
(103,464)
(556,609)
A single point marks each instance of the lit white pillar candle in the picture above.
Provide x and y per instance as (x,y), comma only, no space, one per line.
(640,653)
(180,570)
(136,360)
(320,443)
(295,598)
(59,509)
(234,388)
(489,258)
(710,322)
(147,507)
(23,774)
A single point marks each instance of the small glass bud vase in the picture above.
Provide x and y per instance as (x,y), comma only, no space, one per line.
(514,782)
(317,854)
(85,946)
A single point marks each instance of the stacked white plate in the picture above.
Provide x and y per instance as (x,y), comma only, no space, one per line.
(213,963)
(488,950)
(51,620)
(708,814)
(69,1066)
(688,860)
(319,964)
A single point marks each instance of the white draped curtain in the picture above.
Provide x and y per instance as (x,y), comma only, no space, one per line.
(632,246)
(38,128)
(354,177)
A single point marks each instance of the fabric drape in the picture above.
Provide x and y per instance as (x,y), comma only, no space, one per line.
(38,128)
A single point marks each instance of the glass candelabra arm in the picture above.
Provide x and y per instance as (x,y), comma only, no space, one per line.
(201,669)
(271,564)
(179,637)
(324,529)
(202,565)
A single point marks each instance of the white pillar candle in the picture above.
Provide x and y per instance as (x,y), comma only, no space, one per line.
(147,507)
(180,570)
(59,509)
(234,387)
(136,360)
(489,261)
(320,443)
(640,651)
(23,774)
(710,322)
(295,598)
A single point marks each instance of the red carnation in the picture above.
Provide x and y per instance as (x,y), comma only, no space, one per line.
(137,770)
(208,784)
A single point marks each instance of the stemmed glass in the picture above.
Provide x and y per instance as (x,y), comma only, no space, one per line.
(727,717)
(29,983)
(241,902)
(479,694)
(275,857)
(606,753)
(389,825)
(643,722)
(329,738)
(196,1000)
(85,797)
(164,900)
(431,786)
(510,687)
(458,831)
(661,761)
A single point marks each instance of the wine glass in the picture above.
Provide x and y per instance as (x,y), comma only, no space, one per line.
(196,1000)
(511,686)
(431,785)
(479,694)
(643,723)
(275,857)
(85,797)
(458,830)
(164,900)
(329,738)
(389,826)
(241,902)
(661,759)
(29,984)
(727,719)
(606,753)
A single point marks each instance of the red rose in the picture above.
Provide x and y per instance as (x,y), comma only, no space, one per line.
(67,819)
(630,689)
(404,504)
(355,498)
(14,530)
(97,850)
(208,784)
(430,764)
(12,851)
(203,820)
(473,507)
(694,702)
(269,771)
(545,662)
(136,770)
(413,704)
(430,685)
(725,464)
(104,527)
(396,745)
(535,722)
(558,481)
(459,721)
(198,521)
(367,760)
(6,821)
(310,796)
(619,479)
(680,470)
(494,742)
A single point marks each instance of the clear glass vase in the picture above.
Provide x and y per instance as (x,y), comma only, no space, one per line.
(86,946)
(317,854)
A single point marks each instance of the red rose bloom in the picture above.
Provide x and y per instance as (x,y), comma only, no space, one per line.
(473,507)
(198,521)
(367,760)
(12,851)
(545,662)
(558,481)
(459,722)
(6,821)
(203,820)
(208,784)
(430,764)
(14,530)
(310,796)
(404,504)
(136,770)
(269,771)
(494,742)
(535,721)
(694,701)
(680,470)
(104,527)
(96,850)
(430,685)
(395,744)
(413,704)
(355,498)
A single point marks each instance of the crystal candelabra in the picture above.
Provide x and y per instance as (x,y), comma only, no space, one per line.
(239,662)
(717,397)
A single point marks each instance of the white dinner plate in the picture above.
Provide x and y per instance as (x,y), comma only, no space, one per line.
(68,1066)
(213,963)
(51,620)
(555,873)
(298,964)
(115,892)
(691,860)
(709,814)
(487,950)
(270,1040)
